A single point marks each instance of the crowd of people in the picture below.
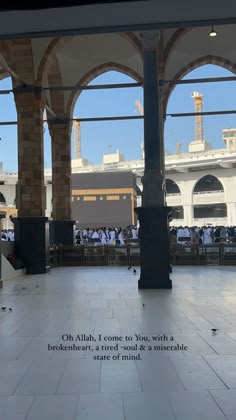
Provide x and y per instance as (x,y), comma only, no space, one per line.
(111,236)
(103,235)
(7,235)
(204,235)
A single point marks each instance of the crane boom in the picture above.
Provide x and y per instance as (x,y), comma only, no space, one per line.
(198,118)
(139,106)
(77,139)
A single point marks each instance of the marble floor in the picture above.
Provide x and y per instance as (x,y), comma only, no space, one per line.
(86,344)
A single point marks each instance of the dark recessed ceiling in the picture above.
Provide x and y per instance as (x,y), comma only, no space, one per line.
(49,4)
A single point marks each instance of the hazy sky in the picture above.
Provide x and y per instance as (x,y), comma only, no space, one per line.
(105,137)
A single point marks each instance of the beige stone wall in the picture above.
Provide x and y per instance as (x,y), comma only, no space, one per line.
(30,189)
(61,171)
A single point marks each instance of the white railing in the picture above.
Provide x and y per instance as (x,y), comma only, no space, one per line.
(208,192)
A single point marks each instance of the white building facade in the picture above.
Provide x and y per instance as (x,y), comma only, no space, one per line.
(200,186)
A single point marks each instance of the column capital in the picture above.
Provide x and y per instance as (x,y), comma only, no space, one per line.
(150,40)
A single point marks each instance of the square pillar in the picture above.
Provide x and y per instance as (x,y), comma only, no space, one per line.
(62,232)
(154,248)
(32,243)
(153,215)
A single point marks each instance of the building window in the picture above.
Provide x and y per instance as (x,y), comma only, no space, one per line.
(90,198)
(171,187)
(208,183)
(177,212)
(113,197)
(2,199)
(210,210)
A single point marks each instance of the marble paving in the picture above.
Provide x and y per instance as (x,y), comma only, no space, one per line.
(83,343)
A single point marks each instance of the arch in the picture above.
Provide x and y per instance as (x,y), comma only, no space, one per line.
(57,44)
(2,199)
(173,40)
(208,183)
(172,187)
(177,212)
(199,62)
(49,56)
(138,191)
(97,71)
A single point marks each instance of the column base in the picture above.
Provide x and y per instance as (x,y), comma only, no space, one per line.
(32,243)
(62,232)
(154,248)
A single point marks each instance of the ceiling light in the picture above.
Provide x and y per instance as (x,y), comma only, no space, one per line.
(212,33)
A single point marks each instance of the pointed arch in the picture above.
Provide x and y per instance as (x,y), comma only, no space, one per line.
(57,44)
(2,199)
(172,187)
(97,71)
(208,183)
(199,62)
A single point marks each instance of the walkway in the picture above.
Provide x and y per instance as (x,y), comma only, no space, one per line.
(196,379)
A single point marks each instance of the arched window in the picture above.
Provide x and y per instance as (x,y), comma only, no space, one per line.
(177,212)
(2,199)
(171,187)
(138,191)
(208,183)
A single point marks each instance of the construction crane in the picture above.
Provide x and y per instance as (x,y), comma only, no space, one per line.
(139,106)
(77,139)
(178,148)
(198,118)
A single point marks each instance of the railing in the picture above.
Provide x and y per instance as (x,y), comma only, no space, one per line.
(208,254)
(89,255)
(126,255)
(208,192)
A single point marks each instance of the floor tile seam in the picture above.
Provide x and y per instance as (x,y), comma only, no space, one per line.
(61,376)
(31,363)
(170,405)
(31,405)
(234,339)
(215,401)
(123,405)
(198,333)
(100,377)
(139,375)
(177,373)
(77,406)
(215,372)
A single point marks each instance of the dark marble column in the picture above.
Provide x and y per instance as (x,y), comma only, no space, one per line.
(153,215)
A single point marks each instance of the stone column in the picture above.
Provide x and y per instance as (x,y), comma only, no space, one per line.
(2,216)
(31,229)
(62,225)
(231,214)
(153,215)
(188,215)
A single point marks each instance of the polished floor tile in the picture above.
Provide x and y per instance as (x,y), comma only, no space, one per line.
(197,382)
(15,408)
(148,406)
(100,406)
(53,408)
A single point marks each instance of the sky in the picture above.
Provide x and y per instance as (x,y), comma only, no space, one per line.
(98,138)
